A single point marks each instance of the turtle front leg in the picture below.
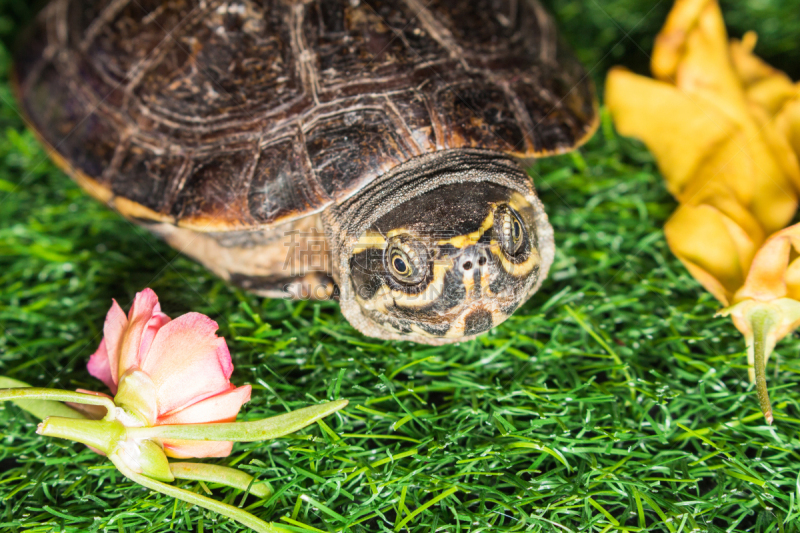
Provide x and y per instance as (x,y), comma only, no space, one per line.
(291,260)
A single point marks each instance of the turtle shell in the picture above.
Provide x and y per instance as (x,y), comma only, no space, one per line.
(236,114)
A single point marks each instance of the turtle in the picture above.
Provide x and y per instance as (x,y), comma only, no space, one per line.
(370,151)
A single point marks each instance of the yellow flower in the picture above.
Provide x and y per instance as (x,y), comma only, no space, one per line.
(724,128)
(767,307)
(707,117)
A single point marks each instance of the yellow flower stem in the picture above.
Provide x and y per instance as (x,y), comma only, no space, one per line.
(234,513)
(762,322)
(220,474)
(259,430)
(36,393)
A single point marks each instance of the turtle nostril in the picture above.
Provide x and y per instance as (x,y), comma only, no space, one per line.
(467,265)
(482,261)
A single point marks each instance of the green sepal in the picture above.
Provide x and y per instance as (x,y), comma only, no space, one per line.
(99,434)
(137,395)
(144,457)
(27,393)
(234,513)
(41,409)
(222,475)
(259,430)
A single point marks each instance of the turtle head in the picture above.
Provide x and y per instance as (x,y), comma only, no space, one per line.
(453,250)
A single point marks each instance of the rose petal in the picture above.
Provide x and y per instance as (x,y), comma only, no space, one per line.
(94,393)
(99,366)
(142,310)
(187,362)
(95,450)
(113,331)
(219,408)
(156,322)
(92,412)
(184,449)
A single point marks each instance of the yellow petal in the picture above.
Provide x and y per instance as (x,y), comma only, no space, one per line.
(792,278)
(788,122)
(764,85)
(771,94)
(766,279)
(777,136)
(747,168)
(749,67)
(706,71)
(696,147)
(724,200)
(678,130)
(692,52)
(670,45)
(719,268)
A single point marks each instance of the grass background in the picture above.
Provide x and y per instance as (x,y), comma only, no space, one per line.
(612,401)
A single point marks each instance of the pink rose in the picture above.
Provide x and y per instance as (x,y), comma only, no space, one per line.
(168,372)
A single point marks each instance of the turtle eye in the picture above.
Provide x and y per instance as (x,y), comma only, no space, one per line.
(406,260)
(509,229)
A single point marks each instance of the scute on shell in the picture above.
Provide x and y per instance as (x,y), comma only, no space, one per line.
(236,114)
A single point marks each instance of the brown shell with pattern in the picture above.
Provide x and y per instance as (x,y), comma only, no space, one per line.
(236,114)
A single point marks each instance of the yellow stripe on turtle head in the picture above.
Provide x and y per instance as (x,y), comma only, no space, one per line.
(462,241)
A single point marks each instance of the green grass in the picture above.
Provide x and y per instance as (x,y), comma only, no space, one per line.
(613,400)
